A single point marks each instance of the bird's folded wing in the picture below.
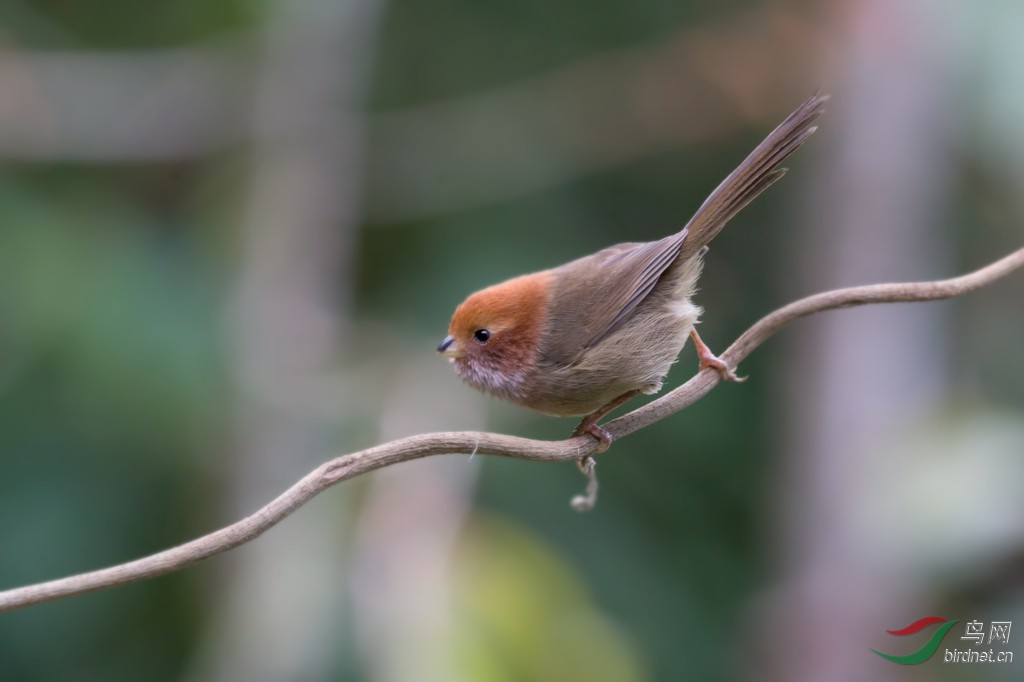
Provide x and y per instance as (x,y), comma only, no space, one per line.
(596,294)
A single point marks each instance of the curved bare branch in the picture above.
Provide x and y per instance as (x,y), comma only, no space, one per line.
(351,465)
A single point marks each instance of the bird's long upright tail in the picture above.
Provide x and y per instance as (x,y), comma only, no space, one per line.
(756,174)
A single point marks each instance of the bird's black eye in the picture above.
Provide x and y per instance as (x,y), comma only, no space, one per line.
(482,335)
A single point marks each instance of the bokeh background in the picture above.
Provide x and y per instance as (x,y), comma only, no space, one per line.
(231,235)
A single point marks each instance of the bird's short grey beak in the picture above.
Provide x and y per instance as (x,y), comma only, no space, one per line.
(448,348)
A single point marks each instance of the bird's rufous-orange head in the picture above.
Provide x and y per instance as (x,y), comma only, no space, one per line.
(494,335)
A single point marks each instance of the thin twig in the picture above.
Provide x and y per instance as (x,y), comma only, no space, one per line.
(586,501)
(415,447)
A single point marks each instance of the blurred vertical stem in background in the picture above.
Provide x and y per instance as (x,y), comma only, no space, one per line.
(277,611)
(852,376)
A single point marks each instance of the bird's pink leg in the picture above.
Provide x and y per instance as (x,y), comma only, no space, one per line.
(589,423)
(709,359)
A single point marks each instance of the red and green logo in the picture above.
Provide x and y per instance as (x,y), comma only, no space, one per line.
(926,651)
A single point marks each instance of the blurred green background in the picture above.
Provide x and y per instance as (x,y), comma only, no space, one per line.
(232,234)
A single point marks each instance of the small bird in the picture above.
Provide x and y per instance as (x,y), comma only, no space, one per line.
(585,337)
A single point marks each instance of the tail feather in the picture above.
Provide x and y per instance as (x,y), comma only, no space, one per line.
(756,174)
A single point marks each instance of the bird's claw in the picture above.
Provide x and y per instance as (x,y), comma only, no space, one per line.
(604,438)
(716,363)
(709,359)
